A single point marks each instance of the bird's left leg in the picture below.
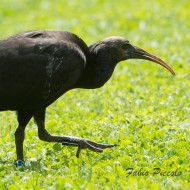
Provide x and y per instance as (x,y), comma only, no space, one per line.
(43,134)
(23,118)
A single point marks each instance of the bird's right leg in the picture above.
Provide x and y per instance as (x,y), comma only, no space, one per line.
(65,140)
(23,118)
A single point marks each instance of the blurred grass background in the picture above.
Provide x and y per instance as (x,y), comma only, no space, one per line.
(142,107)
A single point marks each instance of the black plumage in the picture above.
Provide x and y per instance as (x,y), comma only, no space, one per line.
(37,67)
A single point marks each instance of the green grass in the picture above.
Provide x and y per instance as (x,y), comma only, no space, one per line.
(143,108)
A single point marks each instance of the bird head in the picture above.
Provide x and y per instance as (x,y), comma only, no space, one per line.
(123,50)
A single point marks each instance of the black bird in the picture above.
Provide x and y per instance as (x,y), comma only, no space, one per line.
(37,67)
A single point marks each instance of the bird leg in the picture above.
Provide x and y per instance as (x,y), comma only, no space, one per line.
(65,140)
(23,118)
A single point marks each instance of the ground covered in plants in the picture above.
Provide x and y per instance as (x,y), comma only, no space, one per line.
(143,108)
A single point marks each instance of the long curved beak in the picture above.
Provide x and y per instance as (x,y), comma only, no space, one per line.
(139,53)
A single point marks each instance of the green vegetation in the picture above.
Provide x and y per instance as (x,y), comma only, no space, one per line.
(143,107)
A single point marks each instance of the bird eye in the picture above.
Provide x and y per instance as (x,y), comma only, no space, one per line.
(125,45)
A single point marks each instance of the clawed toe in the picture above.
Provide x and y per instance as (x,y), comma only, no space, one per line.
(86,144)
(95,147)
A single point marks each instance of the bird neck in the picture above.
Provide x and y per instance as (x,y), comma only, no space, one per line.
(98,70)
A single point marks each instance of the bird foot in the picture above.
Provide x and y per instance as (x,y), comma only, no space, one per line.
(87,144)
(19,163)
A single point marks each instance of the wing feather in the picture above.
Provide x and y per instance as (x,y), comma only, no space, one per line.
(35,71)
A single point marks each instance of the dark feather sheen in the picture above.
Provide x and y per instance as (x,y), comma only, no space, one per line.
(37,67)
